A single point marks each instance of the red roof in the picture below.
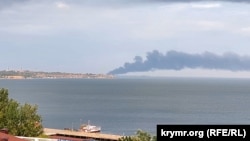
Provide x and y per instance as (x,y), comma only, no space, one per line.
(8,137)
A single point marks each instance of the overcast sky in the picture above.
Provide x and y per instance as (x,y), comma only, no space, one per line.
(99,36)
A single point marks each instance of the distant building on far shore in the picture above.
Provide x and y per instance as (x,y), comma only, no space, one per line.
(15,77)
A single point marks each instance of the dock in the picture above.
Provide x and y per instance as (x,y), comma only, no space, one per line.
(81,135)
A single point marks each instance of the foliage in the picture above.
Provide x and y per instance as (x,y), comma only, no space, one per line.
(21,120)
(139,136)
(43,136)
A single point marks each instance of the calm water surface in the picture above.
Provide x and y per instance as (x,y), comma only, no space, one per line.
(122,106)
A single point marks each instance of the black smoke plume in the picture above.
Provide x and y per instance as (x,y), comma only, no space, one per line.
(174,60)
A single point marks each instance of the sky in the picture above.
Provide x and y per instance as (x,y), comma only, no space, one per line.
(127,37)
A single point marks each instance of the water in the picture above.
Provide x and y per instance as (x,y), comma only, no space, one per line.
(122,106)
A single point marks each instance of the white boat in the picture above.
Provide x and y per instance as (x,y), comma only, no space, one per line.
(90,128)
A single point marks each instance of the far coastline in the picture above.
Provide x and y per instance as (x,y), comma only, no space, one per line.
(27,74)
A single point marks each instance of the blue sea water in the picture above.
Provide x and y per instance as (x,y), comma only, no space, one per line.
(122,106)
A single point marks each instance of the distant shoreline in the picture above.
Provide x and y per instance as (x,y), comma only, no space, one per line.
(13,74)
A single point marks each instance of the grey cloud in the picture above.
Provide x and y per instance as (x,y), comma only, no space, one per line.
(8,3)
(142,1)
(205,0)
(129,3)
(174,60)
(107,2)
(202,0)
(111,3)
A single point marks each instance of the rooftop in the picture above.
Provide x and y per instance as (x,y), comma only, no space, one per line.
(8,137)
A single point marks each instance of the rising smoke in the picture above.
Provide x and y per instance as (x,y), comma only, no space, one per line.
(174,60)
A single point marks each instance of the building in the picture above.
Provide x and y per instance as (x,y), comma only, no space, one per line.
(8,137)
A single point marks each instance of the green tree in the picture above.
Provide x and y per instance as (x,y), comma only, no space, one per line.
(30,121)
(11,116)
(126,138)
(21,120)
(139,136)
(4,100)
